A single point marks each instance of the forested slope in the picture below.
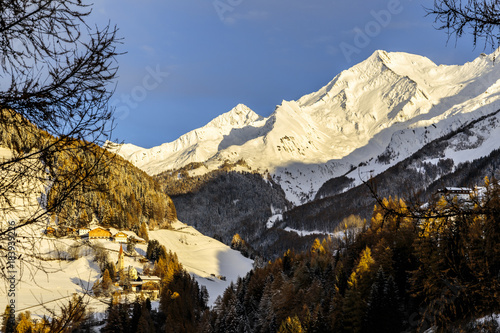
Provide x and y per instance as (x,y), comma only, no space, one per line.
(402,273)
(83,181)
(223,203)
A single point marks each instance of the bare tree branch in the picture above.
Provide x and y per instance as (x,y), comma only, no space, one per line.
(480,18)
(57,75)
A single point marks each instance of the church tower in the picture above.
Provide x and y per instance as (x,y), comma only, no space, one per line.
(120,265)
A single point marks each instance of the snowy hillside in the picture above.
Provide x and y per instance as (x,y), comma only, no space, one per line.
(391,102)
(207,259)
(51,282)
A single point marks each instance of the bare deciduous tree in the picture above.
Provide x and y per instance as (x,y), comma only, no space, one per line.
(56,78)
(479,17)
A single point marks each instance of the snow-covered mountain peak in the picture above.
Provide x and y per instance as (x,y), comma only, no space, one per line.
(401,59)
(381,70)
(198,145)
(240,116)
(384,102)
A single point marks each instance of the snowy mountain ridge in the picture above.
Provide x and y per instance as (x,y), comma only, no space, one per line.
(391,102)
(195,146)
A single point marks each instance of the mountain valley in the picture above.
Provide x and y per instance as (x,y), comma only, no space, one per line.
(397,120)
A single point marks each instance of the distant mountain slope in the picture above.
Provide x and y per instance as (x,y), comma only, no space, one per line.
(461,158)
(222,204)
(391,102)
(227,203)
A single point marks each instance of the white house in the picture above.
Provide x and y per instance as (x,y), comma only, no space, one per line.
(83,232)
(120,237)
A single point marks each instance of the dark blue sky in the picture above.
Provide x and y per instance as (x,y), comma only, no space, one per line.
(188,61)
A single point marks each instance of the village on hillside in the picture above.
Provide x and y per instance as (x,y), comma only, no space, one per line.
(125,279)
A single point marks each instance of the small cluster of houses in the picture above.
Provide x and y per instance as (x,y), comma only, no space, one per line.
(462,194)
(92,233)
(146,284)
(101,233)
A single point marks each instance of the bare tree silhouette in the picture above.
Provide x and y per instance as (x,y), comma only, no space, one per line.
(56,78)
(481,18)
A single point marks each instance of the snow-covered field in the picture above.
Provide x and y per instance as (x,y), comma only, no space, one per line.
(51,283)
(44,285)
(204,257)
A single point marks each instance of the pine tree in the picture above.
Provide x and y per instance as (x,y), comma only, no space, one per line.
(383,254)
(8,321)
(43,326)
(136,315)
(291,325)
(24,323)
(317,247)
(392,315)
(84,219)
(236,242)
(131,242)
(353,310)
(144,232)
(145,324)
(70,316)
(106,281)
(374,317)
(114,320)
(358,285)
(155,250)
(264,308)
